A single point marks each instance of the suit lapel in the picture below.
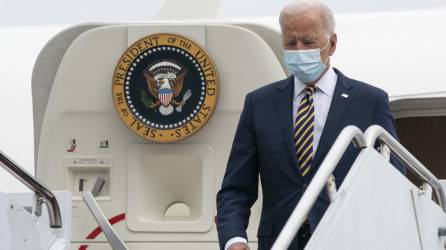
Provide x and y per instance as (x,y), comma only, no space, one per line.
(341,101)
(283,103)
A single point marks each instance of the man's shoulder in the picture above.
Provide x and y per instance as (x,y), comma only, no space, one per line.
(363,88)
(368,88)
(269,90)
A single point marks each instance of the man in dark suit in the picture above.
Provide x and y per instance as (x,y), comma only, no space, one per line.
(286,129)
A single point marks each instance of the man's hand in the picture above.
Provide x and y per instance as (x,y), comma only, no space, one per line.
(239,246)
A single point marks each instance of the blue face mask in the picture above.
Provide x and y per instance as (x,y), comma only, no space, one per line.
(306,65)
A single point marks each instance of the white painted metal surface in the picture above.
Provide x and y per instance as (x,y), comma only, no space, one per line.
(375,209)
(376,133)
(244,62)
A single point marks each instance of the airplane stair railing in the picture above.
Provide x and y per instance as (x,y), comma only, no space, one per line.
(376,133)
(113,238)
(42,194)
(428,221)
(322,178)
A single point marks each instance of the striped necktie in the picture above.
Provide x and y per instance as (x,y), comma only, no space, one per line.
(303,131)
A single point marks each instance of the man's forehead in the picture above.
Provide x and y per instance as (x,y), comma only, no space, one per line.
(303,26)
(303,18)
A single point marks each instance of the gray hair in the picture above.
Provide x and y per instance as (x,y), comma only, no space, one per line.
(299,7)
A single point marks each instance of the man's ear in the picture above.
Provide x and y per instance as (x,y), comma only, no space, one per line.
(333,42)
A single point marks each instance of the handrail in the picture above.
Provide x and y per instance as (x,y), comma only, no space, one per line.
(348,134)
(43,194)
(113,238)
(375,132)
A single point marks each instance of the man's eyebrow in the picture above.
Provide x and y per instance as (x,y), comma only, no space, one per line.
(288,38)
(309,38)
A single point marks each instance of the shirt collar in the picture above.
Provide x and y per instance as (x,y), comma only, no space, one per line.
(326,84)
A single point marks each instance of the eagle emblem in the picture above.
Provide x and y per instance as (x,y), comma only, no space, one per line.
(165,87)
(165,83)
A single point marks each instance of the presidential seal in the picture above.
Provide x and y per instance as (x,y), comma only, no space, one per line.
(165,87)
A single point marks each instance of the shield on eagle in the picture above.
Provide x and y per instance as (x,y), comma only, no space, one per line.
(165,95)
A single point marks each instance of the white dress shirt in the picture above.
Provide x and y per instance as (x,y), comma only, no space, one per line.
(235,240)
(322,100)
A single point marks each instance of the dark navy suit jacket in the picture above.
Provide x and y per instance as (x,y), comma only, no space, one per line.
(263,146)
